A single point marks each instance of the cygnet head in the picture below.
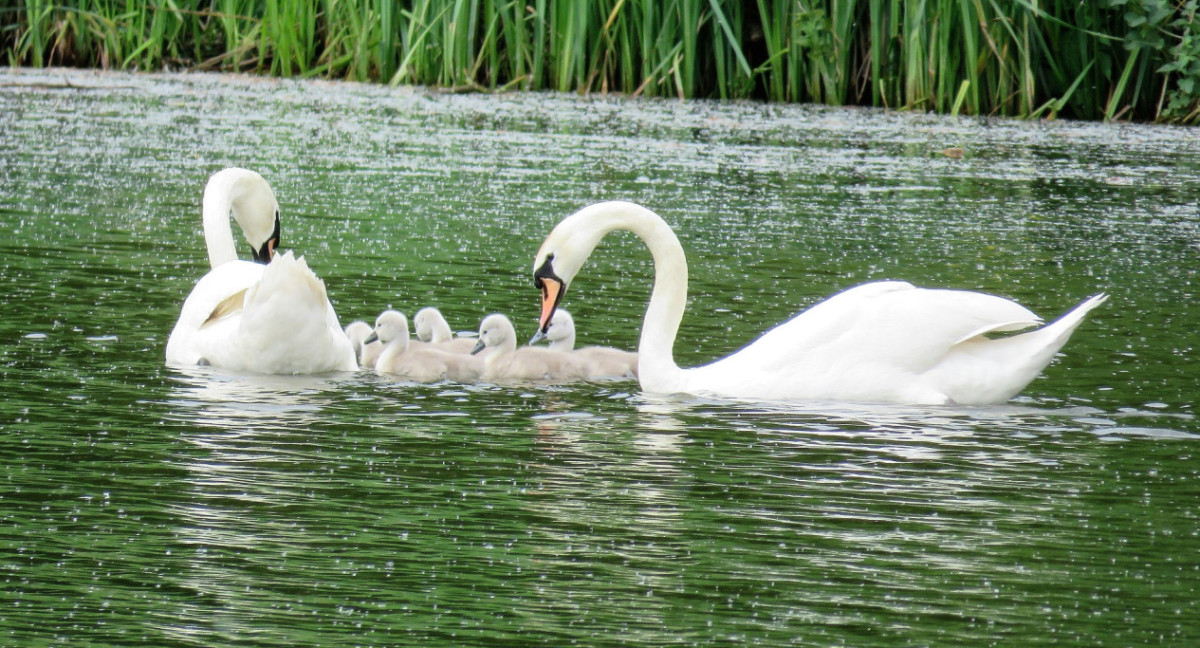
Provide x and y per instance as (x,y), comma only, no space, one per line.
(249,198)
(390,325)
(428,322)
(358,331)
(496,332)
(562,327)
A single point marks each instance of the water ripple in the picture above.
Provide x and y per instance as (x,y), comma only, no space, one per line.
(153,505)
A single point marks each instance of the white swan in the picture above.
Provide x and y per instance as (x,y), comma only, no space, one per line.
(431,327)
(245,316)
(599,362)
(422,363)
(358,331)
(886,341)
(504,362)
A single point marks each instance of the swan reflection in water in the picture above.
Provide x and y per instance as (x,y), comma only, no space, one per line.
(208,396)
(603,477)
(255,482)
(902,423)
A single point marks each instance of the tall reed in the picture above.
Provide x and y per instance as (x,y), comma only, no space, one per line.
(1102,59)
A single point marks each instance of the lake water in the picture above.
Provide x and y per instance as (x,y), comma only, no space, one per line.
(142,505)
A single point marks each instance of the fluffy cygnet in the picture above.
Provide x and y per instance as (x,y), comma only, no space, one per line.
(432,327)
(600,362)
(358,331)
(504,362)
(418,363)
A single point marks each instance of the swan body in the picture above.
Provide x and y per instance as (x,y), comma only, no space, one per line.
(599,362)
(358,331)
(269,317)
(886,341)
(431,327)
(503,361)
(424,363)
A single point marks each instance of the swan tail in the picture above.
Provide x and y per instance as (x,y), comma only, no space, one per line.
(289,276)
(982,371)
(288,319)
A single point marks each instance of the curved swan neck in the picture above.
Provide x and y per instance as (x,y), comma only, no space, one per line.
(392,329)
(564,343)
(668,299)
(244,196)
(218,233)
(440,331)
(657,370)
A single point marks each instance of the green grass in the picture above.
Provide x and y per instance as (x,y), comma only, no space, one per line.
(1101,59)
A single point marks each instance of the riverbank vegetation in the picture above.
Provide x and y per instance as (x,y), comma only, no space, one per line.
(1099,59)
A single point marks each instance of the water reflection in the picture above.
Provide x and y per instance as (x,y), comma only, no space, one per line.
(195,508)
(829,508)
(1022,419)
(608,523)
(259,477)
(210,397)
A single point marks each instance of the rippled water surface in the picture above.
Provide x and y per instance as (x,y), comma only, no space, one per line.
(144,505)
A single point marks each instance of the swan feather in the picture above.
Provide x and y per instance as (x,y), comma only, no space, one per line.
(885,341)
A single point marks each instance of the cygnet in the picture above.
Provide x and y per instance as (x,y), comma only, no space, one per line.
(418,364)
(358,331)
(601,362)
(504,362)
(432,327)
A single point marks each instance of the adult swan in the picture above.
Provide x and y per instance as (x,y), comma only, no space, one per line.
(885,341)
(270,316)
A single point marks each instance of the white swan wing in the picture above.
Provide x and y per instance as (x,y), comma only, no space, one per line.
(217,287)
(288,324)
(285,324)
(867,341)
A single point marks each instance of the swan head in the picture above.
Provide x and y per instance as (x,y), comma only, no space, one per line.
(572,241)
(390,325)
(358,331)
(562,325)
(563,252)
(252,204)
(495,331)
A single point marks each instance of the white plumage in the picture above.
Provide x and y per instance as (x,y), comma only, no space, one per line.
(886,341)
(424,363)
(505,362)
(431,327)
(245,316)
(599,362)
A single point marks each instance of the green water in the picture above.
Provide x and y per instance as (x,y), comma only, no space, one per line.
(148,506)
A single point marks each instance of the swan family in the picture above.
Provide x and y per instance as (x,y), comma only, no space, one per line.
(882,342)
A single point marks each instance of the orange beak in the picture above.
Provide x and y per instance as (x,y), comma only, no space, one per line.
(552,291)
